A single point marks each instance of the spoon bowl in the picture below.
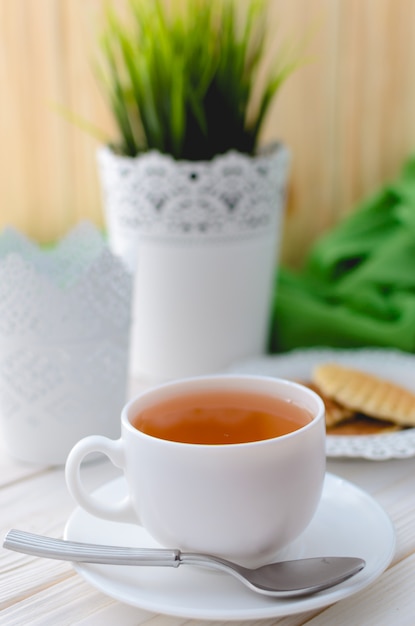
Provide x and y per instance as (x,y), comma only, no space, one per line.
(282,579)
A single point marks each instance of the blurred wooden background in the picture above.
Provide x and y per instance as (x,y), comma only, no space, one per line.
(348,115)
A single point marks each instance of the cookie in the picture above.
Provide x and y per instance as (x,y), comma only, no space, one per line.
(365,393)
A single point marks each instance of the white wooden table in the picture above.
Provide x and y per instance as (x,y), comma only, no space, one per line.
(40,592)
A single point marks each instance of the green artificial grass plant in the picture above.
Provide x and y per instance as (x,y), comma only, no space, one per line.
(182,77)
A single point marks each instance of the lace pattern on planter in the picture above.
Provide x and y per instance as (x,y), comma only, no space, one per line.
(234,195)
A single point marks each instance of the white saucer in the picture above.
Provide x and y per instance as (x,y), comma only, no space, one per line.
(348,522)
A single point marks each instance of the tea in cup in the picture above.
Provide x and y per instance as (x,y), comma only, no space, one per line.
(230,465)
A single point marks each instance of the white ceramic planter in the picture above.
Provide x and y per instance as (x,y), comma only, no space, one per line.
(201,239)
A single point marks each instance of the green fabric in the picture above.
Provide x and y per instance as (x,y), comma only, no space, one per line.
(357,286)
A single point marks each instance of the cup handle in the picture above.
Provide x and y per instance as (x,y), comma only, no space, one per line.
(118,512)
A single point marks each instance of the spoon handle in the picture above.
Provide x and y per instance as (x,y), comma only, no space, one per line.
(38,545)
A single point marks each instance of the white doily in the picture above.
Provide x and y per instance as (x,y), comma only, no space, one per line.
(389,364)
(64,342)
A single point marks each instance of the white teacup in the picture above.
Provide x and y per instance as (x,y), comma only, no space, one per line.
(241,501)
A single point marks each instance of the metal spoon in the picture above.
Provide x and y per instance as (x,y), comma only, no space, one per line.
(280,580)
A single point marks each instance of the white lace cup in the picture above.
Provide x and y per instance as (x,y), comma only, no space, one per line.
(64,344)
(244,502)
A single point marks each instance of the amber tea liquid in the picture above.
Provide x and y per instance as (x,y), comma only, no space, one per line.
(221,417)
